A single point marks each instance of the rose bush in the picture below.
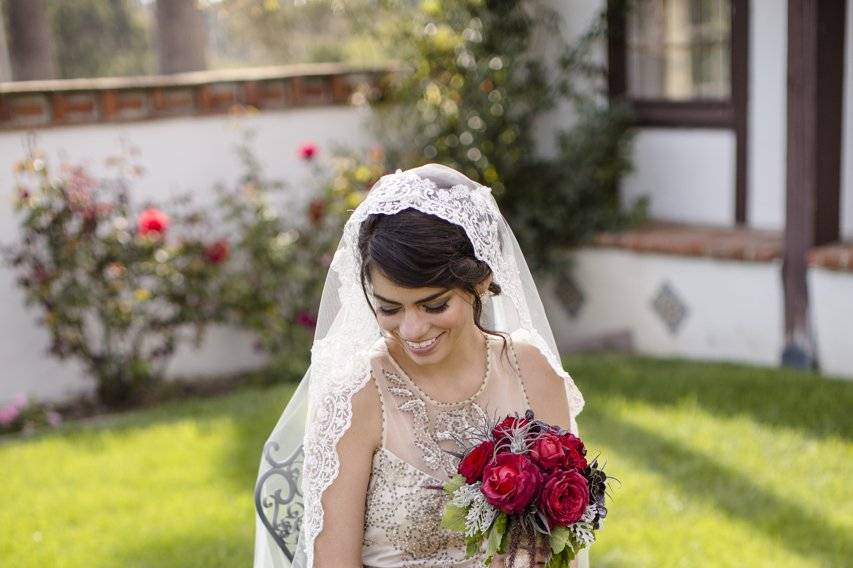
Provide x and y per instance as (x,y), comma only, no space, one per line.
(116,286)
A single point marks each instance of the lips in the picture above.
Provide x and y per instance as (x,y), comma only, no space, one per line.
(422,347)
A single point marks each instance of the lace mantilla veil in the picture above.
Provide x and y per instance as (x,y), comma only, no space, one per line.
(299,460)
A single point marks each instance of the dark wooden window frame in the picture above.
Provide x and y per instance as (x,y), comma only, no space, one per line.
(729,114)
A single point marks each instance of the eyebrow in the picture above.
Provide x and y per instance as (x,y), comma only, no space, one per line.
(421,301)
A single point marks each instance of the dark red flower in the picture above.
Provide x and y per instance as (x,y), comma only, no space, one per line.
(548,452)
(474,463)
(152,221)
(217,252)
(511,482)
(306,319)
(316,209)
(307,151)
(575,451)
(507,425)
(565,497)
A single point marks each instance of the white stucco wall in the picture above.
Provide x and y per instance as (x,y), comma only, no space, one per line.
(767,130)
(831,307)
(847,140)
(688,174)
(179,155)
(734,309)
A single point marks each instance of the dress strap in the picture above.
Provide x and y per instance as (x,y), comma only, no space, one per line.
(517,367)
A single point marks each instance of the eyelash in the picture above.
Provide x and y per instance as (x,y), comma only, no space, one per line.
(429,309)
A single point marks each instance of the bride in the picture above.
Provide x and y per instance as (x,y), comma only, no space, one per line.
(429,323)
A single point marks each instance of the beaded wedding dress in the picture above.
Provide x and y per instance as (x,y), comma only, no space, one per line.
(404,499)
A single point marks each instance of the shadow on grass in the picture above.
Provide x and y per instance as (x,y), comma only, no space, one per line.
(780,397)
(738,496)
(252,411)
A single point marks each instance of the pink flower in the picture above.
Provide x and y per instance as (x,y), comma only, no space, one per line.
(12,411)
(307,150)
(152,221)
(54,418)
(306,319)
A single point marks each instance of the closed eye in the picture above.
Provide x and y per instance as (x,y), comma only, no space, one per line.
(436,309)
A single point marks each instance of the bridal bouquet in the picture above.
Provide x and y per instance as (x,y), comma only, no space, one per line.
(527,481)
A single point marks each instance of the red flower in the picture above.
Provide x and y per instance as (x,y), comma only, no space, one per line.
(305,319)
(565,497)
(507,425)
(548,452)
(307,150)
(217,252)
(575,450)
(315,210)
(511,482)
(474,463)
(152,221)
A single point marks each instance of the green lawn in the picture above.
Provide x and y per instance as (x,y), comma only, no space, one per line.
(720,465)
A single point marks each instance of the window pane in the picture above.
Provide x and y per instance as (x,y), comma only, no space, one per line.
(679,49)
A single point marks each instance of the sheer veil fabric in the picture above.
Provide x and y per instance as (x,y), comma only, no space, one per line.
(299,460)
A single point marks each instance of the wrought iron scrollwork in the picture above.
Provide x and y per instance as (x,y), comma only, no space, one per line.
(278,498)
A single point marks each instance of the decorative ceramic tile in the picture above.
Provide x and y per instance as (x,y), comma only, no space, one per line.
(569,294)
(669,307)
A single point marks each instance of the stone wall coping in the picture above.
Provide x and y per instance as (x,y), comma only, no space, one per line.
(834,256)
(27,105)
(683,239)
(728,243)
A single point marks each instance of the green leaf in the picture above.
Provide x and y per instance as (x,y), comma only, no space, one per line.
(454,518)
(562,559)
(473,544)
(560,537)
(496,533)
(505,540)
(455,483)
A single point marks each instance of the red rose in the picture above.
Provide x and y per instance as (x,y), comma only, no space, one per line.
(507,425)
(307,150)
(565,497)
(474,463)
(511,482)
(548,451)
(575,451)
(152,221)
(217,252)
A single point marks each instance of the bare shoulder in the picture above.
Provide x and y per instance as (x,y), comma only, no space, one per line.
(367,416)
(546,390)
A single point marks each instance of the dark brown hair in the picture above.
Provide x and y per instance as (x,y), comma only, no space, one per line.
(415,249)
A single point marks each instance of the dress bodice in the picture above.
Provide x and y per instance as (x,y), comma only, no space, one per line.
(404,498)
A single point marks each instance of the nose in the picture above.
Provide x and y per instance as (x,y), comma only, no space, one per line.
(413,326)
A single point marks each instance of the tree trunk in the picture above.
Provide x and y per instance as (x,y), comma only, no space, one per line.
(30,40)
(182,36)
(5,64)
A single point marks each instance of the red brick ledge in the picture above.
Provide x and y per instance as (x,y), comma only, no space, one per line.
(730,243)
(835,256)
(41,104)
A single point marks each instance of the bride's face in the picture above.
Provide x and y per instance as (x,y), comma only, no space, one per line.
(427,323)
